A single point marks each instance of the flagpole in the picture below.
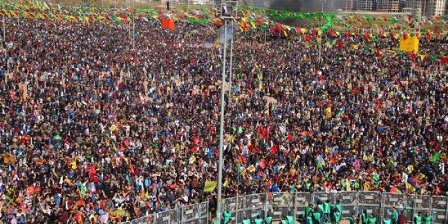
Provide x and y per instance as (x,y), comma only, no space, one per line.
(221,128)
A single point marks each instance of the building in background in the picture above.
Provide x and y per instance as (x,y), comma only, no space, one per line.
(346,5)
(430,8)
(415,7)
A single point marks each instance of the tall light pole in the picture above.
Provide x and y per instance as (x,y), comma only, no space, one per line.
(228,13)
(231,61)
(320,42)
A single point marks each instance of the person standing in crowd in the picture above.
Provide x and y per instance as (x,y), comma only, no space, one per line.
(394,216)
(427,218)
(418,219)
(402,218)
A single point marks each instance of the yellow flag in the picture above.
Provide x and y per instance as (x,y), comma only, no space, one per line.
(328,113)
(422,56)
(209,186)
(410,187)
(251,169)
(192,159)
(73,164)
(355,46)
(226,183)
(411,44)
(253,25)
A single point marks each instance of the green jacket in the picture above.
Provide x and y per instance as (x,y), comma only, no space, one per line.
(291,219)
(227,216)
(308,210)
(268,220)
(394,215)
(246,221)
(258,221)
(427,219)
(327,208)
(317,216)
(418,220)
(365,217)
(321,207)
(372,220)
(339,208)
(337,216)
(387,221)
(309,220)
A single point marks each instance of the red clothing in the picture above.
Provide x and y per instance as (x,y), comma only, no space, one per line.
(402,219)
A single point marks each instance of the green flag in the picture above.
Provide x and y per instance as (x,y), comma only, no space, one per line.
(435,157)
(366,48)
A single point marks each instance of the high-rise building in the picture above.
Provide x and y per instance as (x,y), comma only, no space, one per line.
(432,7)
(427,8)
(446,8)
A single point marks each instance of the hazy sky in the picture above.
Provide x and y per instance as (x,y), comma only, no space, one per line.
(301,5)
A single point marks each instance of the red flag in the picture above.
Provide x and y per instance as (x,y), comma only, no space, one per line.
(131,168)
(428,35)
(413,56)
(168,23)
(444,60)
(366,37)
(279,28)
(307,38)
(340,44)
(378,53)
(314,31)
(298,30)
(290,137)
(274,150)
(331,33)
(347,34)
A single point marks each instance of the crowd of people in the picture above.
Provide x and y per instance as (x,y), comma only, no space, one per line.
(96,130)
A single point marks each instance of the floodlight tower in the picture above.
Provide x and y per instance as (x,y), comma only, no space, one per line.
(229,12)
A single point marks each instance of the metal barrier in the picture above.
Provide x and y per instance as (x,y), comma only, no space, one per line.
(280,204)
(195,214)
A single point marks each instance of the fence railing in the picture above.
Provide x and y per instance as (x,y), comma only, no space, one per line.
(281,204)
